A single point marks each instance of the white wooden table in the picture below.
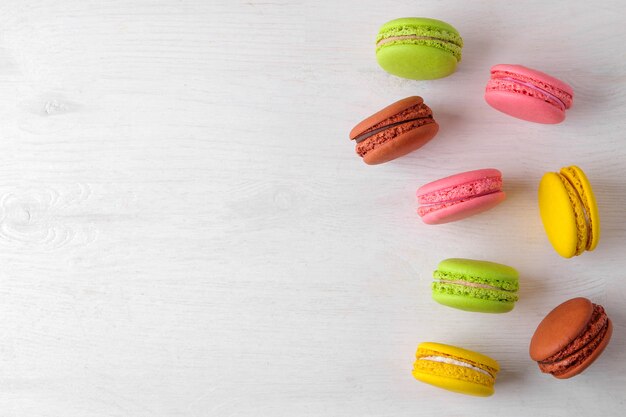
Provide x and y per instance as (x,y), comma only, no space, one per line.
(186,231)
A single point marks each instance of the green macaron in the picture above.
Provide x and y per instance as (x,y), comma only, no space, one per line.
(481,286)
(418,48)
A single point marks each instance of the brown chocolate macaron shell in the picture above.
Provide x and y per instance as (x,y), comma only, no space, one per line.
(570,338)
(396,130)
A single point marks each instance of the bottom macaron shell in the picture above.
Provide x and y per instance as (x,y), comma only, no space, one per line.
(525,107)
(416,62)
(575,370)
(478,305)
(464,209)
(402,145)
(454,385)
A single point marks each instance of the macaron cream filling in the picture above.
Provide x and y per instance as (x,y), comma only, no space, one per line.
(451,361)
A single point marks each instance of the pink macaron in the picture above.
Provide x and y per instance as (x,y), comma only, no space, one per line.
(528,94)
(460,196)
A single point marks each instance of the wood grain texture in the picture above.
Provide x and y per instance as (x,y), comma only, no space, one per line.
(186,231)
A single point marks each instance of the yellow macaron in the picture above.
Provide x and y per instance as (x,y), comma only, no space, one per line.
(455,369)
(569,211)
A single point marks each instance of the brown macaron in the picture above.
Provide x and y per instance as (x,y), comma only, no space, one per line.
(570,338)
(396,130)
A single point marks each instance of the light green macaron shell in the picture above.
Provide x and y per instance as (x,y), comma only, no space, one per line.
(418,48)
(480,286)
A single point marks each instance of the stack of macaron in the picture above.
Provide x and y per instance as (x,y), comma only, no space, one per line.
(572,335)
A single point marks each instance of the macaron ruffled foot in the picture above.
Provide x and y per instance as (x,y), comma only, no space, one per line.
(459,196)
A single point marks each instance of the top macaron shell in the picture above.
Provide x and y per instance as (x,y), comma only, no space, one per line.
(418,48)
(552,335)
(540,98)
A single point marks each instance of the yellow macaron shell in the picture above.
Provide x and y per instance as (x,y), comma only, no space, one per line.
(558,215)
(579,180)
(452,377)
